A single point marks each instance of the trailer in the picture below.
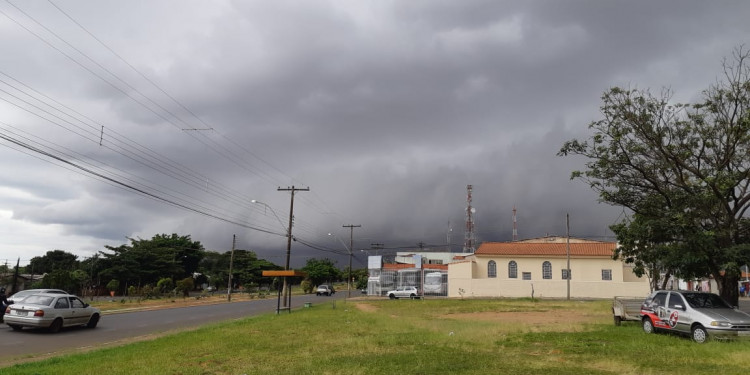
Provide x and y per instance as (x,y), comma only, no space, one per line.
(626,308)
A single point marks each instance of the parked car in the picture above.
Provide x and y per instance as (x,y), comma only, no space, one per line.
(699,314)
(403,292)
(51,310)
(324,289)
(19,296)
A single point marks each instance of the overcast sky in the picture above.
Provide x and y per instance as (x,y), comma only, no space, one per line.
(126,119)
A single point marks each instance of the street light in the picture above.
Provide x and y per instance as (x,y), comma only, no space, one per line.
(288,235)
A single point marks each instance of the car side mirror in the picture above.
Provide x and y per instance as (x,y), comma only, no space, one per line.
(85,305)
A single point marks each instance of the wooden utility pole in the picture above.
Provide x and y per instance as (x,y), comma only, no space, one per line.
(287,292)
(231,261)
(351,243)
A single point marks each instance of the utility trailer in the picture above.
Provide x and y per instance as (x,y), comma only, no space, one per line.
(626,308)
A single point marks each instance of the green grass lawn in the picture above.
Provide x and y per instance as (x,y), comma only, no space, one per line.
(503,336)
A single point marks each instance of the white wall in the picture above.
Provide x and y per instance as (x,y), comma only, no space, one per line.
(470,279)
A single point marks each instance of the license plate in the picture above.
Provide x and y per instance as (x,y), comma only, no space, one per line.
(743,333)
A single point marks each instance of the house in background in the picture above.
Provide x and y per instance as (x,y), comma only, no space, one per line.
(23,282)
(538,267)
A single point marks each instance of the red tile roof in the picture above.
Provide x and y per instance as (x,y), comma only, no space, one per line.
(547,249)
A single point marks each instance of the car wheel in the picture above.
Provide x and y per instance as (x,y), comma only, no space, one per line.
(412,296)
(699,334)
(93,321)
(618,320)
(392,296)
(15,327)
(648,325)
(56,325)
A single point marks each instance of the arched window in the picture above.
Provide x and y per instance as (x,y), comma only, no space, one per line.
(546,270)
(512,270)
(492,269)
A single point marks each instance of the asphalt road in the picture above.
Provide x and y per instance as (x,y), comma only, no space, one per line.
(122,327)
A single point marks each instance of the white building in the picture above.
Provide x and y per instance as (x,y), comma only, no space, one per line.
(538,267)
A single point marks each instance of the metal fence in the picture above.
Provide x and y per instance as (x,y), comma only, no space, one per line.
(429,282)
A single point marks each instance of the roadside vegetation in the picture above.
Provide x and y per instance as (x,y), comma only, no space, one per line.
(375,336)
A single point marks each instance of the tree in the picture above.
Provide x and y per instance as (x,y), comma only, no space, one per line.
(113,285)
(185,286)
(144,262)
(683,171)
(321,270)
(53,260)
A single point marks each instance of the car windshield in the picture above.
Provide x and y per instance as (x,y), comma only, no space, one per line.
(705,301)
(39,300)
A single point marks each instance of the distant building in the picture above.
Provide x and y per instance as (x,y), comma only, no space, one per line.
(425,270)
(539,266)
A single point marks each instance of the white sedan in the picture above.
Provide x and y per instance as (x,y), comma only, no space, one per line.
(52,311)
(403,292)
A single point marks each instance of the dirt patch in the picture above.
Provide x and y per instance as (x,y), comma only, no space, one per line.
(366,307)
(524,317)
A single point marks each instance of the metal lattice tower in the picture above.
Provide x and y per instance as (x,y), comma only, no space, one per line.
(515,229)
(469,234)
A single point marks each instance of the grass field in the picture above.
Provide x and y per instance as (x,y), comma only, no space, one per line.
(503,336)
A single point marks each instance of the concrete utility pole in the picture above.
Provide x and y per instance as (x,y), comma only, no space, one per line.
(231,261)
(567,247)
(351,243)
(287,292)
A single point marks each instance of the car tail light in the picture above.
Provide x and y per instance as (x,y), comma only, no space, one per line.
(7,310)
(39,313)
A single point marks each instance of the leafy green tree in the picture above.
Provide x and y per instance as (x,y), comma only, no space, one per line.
(185,286)
(60,279)
(165,285)
(684,172)
(321,270)
(53,260)
(113,285)
(146,261)
(307,286)
(360,278)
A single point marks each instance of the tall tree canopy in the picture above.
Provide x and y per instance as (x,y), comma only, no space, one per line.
(321,270)
(146,261)
(683,170)
(53,260)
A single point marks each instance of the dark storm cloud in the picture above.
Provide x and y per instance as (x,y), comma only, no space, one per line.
(386,110)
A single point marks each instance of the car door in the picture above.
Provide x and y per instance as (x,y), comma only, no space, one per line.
(679,317)
(62,310)
(659,316)
(79,312)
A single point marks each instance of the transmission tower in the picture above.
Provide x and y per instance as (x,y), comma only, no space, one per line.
(515,229)
(469,230)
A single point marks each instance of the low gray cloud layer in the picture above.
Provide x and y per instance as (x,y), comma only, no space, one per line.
(387,110)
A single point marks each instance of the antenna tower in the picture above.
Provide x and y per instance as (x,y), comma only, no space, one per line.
(469,231)
(515,229)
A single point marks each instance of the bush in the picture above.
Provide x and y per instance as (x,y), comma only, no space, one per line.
(307,286)
(185,286)
(113,285)
(165,285)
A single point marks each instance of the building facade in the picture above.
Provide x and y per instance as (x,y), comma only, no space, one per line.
(538,268)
